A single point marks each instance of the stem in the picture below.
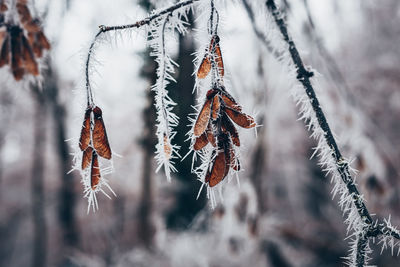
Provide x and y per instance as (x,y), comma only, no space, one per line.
(138,24)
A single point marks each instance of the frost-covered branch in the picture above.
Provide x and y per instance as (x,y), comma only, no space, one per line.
(358,218)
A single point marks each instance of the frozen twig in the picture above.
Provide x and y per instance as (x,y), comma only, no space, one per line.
(368,228)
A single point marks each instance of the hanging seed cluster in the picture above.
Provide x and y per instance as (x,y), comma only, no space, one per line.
(22,43)
(215,122)
(93,143)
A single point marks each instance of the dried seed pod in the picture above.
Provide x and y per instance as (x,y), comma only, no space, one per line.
(241,119)
(215,107)
(16,53)
(95,171)
(202,119)
(210,136)
(84,139)
(100,140)
(204,68)
(87,157)
(24,13)
(5,52)
(167,147)
(218,59)
(44,43)
(29,59)
(218,170)
(201,141)
(228,126)
(230,102)
(32,26)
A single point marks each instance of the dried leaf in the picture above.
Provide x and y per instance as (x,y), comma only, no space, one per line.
(218,59)
(215,107)
(44,43)
(228,126)
(201,141)
(95,171)
(16,53)
(230,102)
(29,59)
(100,140)
(33,26)
(218,170)
(87,157)
(241,119)
(5,52)
(24,13)
(84,139)
(204,68)
(210,136)
(202,119)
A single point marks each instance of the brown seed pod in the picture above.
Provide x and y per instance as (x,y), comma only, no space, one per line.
(218,170)
(202,119)
(95,171)
(241,119)
(201,141)
(210,136)
(215,107)
(204,68)
(24,13)
(230,102)
(16,53)
(29,59)
(100,140)
(228,127)
(33,26)
(5,52)
(87,157)
(44,43)
(84,139)
(218,59)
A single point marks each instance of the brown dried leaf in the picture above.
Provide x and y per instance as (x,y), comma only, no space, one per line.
(215,107)
(84,139)
(87,157)
(218,170)
(95,171)
(241,119)
(202,119)
(29,59)
(210,136)
(204,68)
(100,140)
(5,52)
(44,43)
(33,26)
(24,13)
(228,126)
(201,141)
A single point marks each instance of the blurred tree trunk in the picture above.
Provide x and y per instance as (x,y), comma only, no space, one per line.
(37,181)
(66,194)
(186,206)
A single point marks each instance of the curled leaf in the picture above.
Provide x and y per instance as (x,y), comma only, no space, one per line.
(95,171)
(202,119)
(84,139)
(100,140)
(87,157)
(241,119)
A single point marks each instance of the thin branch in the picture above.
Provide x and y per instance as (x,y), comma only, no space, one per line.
(138,24)
(303,76)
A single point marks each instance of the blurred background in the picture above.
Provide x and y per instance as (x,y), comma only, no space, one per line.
(282,214)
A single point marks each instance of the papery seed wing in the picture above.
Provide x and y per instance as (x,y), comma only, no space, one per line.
(5,52)
(95,171)
(84,139)
(23,12)
(29,59)
(218,59)
(230,102)
(218,169)
(87,157)
(215,107)
(204,68)
(202,119)
(100,140)
(210,136)
(241,119)
(201,141)
(230,128)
